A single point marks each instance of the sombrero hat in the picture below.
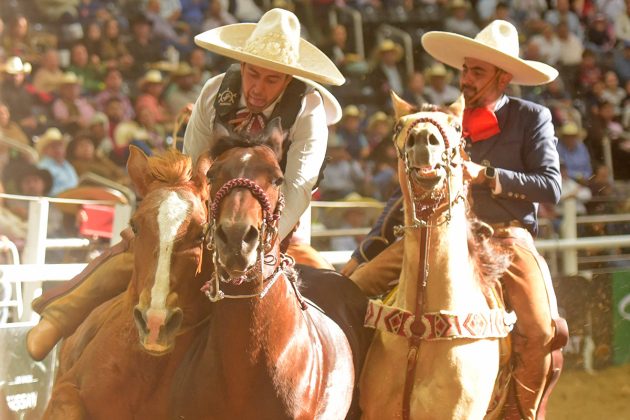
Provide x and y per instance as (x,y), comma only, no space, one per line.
(388,45)
(496,44)
(14,65)
(275,44)
(50,136)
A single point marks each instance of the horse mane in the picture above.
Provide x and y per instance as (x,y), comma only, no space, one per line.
(234,140)
(491,257)
(170,167)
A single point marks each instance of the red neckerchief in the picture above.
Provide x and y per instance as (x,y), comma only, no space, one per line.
(248,122)
(480,123)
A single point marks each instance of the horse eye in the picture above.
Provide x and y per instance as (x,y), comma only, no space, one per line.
(278,181)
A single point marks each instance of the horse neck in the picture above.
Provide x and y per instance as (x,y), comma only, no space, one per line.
(451,278)
(257,330)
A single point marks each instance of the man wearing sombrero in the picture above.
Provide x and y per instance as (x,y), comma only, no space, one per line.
(514,166)
(276,78)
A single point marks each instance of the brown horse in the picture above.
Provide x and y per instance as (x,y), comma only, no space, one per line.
(436,353)
(268,354)
(111,368)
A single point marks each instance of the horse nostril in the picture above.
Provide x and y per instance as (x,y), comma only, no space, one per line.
(174,321)
(141,323)
(251,236)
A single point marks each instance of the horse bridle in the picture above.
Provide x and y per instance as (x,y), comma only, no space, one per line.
(267,236)
(447,163)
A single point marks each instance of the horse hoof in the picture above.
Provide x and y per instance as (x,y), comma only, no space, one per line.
(41,339)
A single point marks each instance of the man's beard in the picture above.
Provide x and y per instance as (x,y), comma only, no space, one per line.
(469,93)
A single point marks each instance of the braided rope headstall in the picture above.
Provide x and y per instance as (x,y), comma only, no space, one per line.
(426,205)
(268,233)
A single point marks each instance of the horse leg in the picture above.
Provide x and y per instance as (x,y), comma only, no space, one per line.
(65,404)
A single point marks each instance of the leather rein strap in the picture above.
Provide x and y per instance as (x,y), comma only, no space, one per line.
(417,328)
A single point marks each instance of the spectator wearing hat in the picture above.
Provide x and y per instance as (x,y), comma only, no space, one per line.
(379,128)
(574,153)
(90,73)
(440,91)
(100,134)
(26,105)
(351,134)
(46,78)
(142,45)
(386,74)
(81,153)
(71,110)
(51,147)
(414,92)
(114,88)
(458,20)
(151,86)
(28,180)
(183,91)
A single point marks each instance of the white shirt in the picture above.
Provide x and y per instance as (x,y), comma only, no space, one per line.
(309,136)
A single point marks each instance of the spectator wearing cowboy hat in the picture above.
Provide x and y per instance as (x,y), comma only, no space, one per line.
(26,106)
(71,110)
(276,78)
(151,86)
(574,153)
(514,166)
(440,91)
(182,91)
(386,74)
(51,147)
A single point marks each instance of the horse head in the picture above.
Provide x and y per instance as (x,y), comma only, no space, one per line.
(247,204)
(170,225)
(430,150)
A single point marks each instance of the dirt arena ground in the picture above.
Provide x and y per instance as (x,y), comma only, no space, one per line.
(604,395)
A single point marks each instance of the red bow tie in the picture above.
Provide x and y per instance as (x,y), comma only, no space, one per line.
(480,123)
(248,122)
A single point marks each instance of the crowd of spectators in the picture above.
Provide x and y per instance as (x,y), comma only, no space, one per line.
(98,75)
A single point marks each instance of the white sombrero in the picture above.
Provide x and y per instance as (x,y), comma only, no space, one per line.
(14,65)
(273,43)
(496,44)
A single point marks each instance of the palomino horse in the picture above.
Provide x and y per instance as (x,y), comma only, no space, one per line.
(268,353)
(436,351)
(110,369)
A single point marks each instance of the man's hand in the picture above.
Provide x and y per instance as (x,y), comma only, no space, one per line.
(349,268)
(474,172)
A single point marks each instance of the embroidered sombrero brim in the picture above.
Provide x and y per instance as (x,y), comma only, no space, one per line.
(451,49)
(229,41)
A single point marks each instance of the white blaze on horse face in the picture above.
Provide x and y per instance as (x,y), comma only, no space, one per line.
(171,214)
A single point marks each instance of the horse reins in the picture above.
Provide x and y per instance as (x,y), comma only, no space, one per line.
(268,234)
(417,327)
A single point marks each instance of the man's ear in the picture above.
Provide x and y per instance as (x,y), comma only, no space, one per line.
(504,80)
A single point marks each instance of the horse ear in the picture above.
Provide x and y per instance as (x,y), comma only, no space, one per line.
(201,171)
(457,107)
(138,169)
(401,107)
(273,136)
